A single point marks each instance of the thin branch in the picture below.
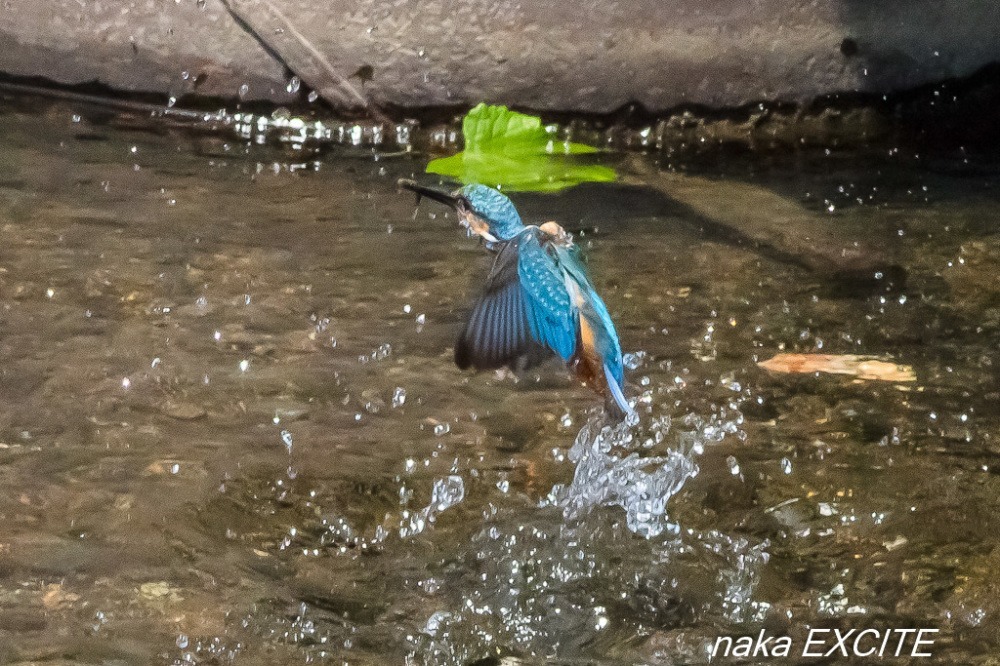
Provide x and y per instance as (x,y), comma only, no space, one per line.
(339,81)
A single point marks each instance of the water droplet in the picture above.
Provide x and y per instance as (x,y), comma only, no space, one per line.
(734,465)
(244,90)
(399,397)
(442,429)
(126,382)
(286,439)
(313,96)
(786,465)
(244,365)
(294,84)
(447,492)
(182,641)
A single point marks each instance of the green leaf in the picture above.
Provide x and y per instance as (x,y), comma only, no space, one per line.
(513,151)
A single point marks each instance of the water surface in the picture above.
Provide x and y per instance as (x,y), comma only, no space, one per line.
(231,430)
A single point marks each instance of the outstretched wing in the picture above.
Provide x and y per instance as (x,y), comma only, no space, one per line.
(524,314)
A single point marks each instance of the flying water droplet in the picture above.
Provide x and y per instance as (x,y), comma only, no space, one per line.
(399,397)
(447,492)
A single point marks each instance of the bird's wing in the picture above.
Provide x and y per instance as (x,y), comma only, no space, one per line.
(524,313)
(552,314)
(596,312)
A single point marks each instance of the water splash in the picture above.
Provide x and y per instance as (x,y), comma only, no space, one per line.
(447,492)
(574,575)
(609,473)
(298,131)
(612,468)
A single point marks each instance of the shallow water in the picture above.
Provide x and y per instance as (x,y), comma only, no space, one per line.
(232,432)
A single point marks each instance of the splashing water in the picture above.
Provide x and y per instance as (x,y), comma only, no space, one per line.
(611,472)
(447,492)
(548,585)
(641,486)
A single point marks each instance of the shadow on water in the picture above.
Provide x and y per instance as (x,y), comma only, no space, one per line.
(231,430)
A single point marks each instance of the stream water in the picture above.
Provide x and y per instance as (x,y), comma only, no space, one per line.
(231,430)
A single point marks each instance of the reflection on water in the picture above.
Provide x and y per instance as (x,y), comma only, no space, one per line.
(231,430)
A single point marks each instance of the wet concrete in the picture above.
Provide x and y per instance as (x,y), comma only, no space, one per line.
(590,56)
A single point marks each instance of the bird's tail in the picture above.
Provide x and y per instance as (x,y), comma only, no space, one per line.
(617,406)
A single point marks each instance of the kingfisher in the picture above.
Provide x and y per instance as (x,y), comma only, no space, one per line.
(538,300)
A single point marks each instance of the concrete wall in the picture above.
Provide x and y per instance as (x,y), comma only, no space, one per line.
(583,55)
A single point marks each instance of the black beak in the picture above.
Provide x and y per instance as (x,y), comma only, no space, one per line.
(432,193)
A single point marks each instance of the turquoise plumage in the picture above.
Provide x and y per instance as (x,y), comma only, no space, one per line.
(538,299)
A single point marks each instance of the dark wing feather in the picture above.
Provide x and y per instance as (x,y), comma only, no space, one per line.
(498,332)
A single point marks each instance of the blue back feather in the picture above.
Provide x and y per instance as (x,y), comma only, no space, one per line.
(551,313)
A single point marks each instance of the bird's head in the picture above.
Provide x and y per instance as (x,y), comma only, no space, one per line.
(481,209)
